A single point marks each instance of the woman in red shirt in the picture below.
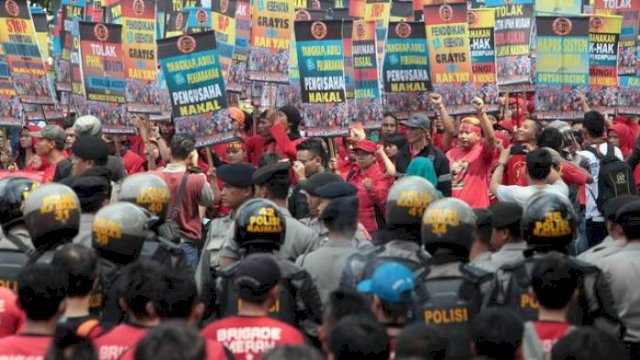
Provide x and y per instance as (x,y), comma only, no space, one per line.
(27,159)
(372,184)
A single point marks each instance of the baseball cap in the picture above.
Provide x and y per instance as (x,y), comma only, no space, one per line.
(237,115)
(53,133)
(256,275)
(366,145)
(419,120)
(391,282)
(313,182)
(87,125)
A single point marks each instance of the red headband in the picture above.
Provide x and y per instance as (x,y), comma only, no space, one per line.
(469,127)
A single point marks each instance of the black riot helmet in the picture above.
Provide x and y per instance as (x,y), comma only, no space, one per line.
(119,230)
(52,215)
(407,200)
(13,191)
(147,191)
(548,221)
(448,223)
(260,225)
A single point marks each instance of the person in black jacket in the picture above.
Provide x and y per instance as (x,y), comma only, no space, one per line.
(419,138)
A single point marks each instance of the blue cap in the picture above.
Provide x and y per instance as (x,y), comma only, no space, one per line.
(391,282)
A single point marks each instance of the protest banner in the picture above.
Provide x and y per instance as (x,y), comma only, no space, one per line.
(513,30)
(405,71)
(320,53)
(237,74)
(379,11)
(604,33)
(10,106)
(192,71)
(139,56)
(174,21)
(115,118)
(365,74)
(559,7)
(630,12)
(224,23)
(357,8)
(629,98)
(483,55)
(102,67)
(113,11)
(447,32)
(562,66)
(401,11)
(272,25)
(20,46)
(42,36)
(347,32)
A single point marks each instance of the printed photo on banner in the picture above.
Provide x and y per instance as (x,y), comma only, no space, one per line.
(102,67)
(562,66)
(604,33)
(272,25)
(115,118)
(140,62)
(405,70)
(368,102)
(10,105)
(447,33)
(320,51)
(237,73)
(28,72)
(630,12)
(513,29)
(629,99)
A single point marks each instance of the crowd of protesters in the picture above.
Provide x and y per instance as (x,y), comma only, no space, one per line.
(481,236)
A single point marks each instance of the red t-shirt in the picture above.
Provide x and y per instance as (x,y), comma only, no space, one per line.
(215,351)
(516,171)
(550,332)
(470,172)
(25,346)
(572,174)
(11,316)
(113,344)
(133,162)
(249,337)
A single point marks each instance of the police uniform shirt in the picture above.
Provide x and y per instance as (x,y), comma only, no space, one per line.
(361,240)
(607,247)
(483,261)
(299,240)
(508,253)
(325,265)
(84,232)
(21,233)
(622,270)
(219,229)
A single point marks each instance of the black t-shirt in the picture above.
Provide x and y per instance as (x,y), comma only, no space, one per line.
(87,326)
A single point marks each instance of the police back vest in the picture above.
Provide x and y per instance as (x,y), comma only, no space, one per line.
(285,309)
(512,289)
(594,304)
(11,263)
(451,301)
(362,265)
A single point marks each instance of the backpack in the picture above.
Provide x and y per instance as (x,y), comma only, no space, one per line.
(615,177)
(451,303)
(532,347)
(512,289)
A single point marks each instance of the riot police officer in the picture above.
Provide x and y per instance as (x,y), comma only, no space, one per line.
(260,228)
(453,291)
(151,193)
(406,202)
(549,225)
(118,235)
(52,217)
(16,243)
